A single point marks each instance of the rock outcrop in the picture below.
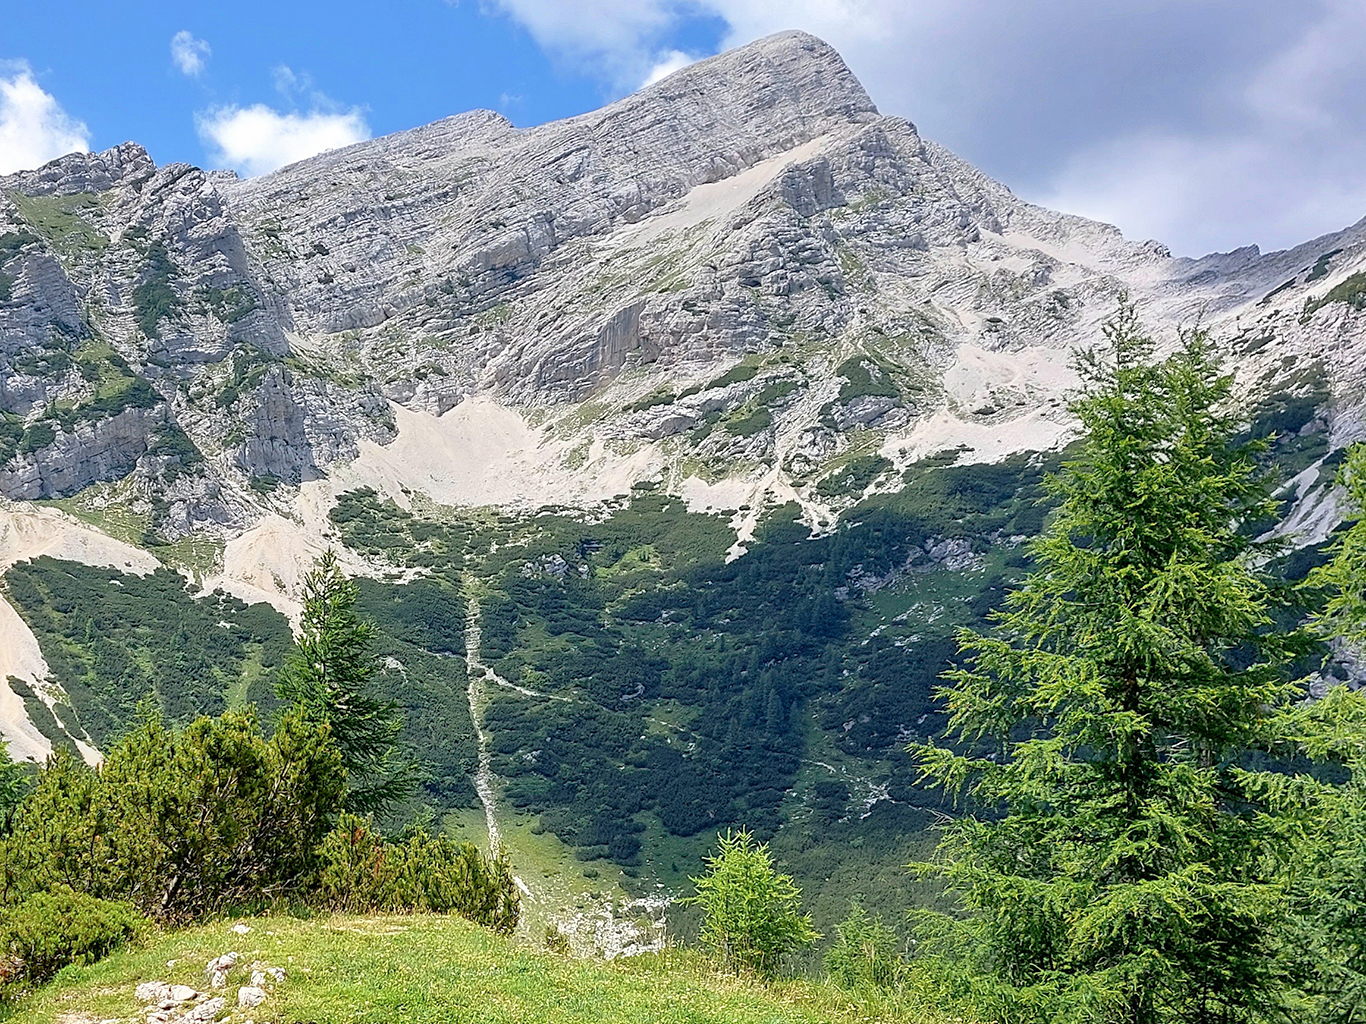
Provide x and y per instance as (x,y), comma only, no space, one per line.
(211,340)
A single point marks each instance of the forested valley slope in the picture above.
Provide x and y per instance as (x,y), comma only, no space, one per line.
(669,444)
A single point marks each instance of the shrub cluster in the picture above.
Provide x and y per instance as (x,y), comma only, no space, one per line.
(363,872)
(49,930)
(180,823)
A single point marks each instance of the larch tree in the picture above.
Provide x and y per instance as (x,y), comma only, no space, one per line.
(1113,864)
(331,673)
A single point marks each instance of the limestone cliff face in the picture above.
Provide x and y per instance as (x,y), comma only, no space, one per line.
(102,450)
(195,334)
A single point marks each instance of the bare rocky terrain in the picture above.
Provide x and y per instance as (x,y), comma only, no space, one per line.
(743,283)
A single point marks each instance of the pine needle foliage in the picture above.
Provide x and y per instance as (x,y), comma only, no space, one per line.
(364,873)
(13,786)
(180,823)
(753,915)
(1323,814)
(1345,576)
(1114,868)
(1327,872)
(330,676)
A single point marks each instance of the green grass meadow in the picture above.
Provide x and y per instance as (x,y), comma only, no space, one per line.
(438,970)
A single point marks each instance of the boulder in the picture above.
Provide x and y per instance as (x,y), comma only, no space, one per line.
(152,992)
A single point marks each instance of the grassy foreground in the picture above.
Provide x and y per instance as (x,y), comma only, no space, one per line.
(433,969)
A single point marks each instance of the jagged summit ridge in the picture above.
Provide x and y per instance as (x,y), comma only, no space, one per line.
(751,207)
(781,90)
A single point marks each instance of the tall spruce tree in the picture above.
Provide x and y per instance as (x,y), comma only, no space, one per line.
(1114,867)
(330,674)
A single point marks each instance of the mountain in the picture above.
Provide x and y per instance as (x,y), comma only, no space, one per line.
(671,441)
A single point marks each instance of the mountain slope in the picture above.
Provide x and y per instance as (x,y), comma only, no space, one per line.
(722,405)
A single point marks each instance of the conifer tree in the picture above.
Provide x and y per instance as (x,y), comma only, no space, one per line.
(752,914)
(1113,868)
(330,675)
(13,786)
(1345,576)
(1327,871)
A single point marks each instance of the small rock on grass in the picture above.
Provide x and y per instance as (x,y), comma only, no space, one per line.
(218,968)
(204,1013)
(249,996)
(226,962)
(152,992)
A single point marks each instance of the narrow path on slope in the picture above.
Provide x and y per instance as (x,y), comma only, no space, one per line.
(479,675)
(483,775)
(608,930)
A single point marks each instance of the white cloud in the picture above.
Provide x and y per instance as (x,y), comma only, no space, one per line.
(189,54)
(257,139)
(33,126)
(667,64)
(1205,194)
(621,40)
(1290,166)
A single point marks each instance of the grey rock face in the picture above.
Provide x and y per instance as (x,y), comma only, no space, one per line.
(754,208)
(78,173)
(105,449)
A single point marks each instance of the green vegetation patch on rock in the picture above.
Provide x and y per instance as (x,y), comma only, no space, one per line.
(854,476)
(865,376)
(59,219)
(230,305)
(750,423)
(1320,267)
(1351,292)
(154,298)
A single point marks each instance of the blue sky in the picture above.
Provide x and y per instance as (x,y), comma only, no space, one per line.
(401,64)
(1204,123)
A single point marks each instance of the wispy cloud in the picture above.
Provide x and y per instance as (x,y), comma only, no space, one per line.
(668,63)
(623,40)
(189,54)
(33,126)
(259,139)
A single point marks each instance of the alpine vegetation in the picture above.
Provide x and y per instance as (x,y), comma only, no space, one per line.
(485,552)
(1127,855)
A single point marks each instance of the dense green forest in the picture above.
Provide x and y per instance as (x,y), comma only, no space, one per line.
(696,686)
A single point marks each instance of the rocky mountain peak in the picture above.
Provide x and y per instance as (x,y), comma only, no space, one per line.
(84,172)
(222,341)
(788,69)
